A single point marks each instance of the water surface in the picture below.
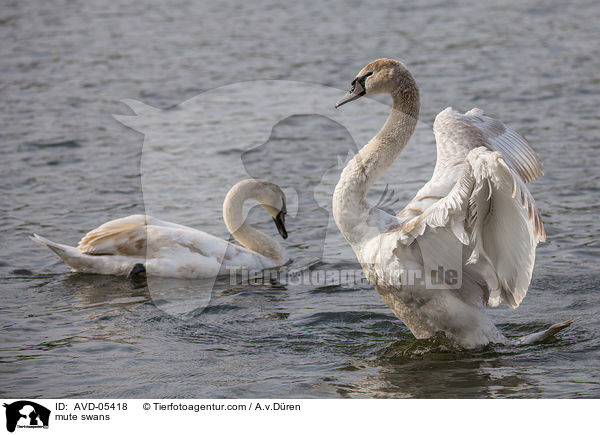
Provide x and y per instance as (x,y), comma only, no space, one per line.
(69,166)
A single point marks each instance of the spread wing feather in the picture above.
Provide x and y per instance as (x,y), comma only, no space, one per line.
(490,210)
(456,134)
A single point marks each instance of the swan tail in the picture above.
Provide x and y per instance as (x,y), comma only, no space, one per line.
(69,254)
(538,337)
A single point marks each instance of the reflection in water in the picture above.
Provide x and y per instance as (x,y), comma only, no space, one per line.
(435,368)
(93,290)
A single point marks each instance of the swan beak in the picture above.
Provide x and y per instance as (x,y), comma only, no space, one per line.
(356,91)
(350,96)
(280,224)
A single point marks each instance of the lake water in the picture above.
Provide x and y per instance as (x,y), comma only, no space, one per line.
(247,90)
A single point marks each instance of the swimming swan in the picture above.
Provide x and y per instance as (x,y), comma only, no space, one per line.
(141,243)
(475,212)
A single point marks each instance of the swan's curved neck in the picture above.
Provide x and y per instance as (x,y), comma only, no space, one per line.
(244,233)
(350,208)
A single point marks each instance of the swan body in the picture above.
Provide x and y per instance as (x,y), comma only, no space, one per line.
(171,250)
(475,215)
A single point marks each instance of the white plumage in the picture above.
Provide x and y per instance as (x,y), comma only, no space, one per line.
(171,250)
(475,215)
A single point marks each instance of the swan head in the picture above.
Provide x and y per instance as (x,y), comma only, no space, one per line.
(272,199)
(268,195)
(382,76)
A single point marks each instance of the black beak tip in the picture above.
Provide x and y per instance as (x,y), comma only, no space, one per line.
(280,224)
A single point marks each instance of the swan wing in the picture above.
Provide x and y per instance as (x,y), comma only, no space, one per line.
(490,210)
(456,134)
(168,249)
(124,236)
(127,236)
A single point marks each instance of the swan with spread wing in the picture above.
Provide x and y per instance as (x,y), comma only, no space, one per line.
(476,211)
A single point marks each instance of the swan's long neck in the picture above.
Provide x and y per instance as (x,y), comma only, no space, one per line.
(244,233)
(350,208)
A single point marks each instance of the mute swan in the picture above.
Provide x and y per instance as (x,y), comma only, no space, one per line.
(139,243)
(475,210)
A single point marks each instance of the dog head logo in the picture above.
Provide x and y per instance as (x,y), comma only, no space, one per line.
(26,414)
(194,152)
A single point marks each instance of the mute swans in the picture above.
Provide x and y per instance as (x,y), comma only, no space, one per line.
(139,243)
(475,211)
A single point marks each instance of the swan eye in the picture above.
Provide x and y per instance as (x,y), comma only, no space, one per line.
(360,81)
